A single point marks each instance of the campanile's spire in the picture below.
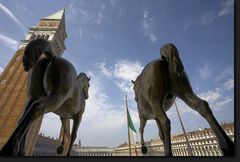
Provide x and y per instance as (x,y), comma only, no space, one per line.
(59,15)
(51,28)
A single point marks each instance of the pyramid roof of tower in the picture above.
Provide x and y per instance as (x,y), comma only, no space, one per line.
(57,15)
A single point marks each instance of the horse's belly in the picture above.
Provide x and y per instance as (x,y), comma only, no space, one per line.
(148,113)
(67,110)
(63,114)
(150,116)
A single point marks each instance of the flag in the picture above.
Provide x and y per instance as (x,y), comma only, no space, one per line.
(130,123)
(133,130)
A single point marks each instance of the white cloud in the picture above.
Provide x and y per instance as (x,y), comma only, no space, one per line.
(127,70)
(100,14)
(226,73)
(223,102)
(21,7)
(123,72)
(93,14)
(103,117)
(227,7)
(104,70)
(98,109)
(205,72)
(207,18)
(211,96)
(112,2)
(229,84)
(11,15)
(8,42)
(147,24)
(217,98)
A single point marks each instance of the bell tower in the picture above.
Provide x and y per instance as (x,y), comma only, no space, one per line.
(13,79)
(51,28)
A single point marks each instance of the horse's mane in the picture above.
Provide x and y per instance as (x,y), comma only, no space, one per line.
(34,50)
(83,75)
(170,53)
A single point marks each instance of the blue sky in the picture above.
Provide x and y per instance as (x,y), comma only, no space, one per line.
(112,40)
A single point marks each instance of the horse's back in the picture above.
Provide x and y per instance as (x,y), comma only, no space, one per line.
(60,76)
(35,87)
(152,85)
(155,76)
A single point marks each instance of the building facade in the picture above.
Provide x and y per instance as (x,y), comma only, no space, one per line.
(203,142)
(91,151)
(45,146)
(13,79)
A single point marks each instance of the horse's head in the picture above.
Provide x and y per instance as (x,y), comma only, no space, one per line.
(136,86)
(27,62)
(34,50)
(83,80)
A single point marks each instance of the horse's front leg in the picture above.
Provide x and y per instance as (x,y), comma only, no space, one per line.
(141,130)
(65,125)
(76,123)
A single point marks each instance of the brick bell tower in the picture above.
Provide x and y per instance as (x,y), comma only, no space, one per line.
(13,79)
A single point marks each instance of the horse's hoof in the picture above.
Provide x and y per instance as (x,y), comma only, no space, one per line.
(144,149)
(59,149)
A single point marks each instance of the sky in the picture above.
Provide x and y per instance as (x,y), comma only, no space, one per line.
(112,40)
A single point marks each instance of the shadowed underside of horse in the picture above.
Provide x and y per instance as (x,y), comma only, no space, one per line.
(156,88)
(53,86)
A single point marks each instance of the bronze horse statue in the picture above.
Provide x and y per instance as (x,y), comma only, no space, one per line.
(156,88)
(53,86)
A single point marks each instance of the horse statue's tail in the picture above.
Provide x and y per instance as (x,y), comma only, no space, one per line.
(34,50)
(170,53)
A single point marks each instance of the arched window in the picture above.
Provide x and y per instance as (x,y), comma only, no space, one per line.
(33,36)
(43,36)
(38,35)
(47,36)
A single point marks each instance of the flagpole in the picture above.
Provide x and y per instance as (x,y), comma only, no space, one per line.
(184,132)
(129,140)
(134,143)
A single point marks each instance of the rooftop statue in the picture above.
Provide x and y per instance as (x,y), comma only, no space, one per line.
(156,88)
(53,86)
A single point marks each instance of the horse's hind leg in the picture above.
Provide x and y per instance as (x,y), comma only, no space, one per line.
(21,152)
(38,108)
(161,115)
(11,148)
(65,125)
(15,145)
(141,130)
(160,131)
(76,123)
(202,107)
